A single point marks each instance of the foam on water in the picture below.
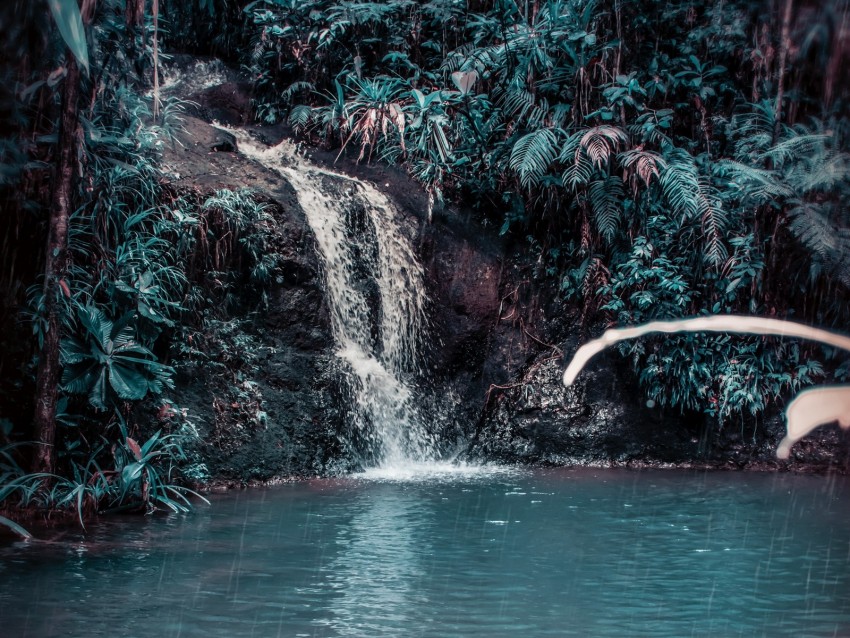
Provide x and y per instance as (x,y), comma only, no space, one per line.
(200,75)
(439,472)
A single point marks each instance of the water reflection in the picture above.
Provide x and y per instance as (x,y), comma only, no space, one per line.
(379,563)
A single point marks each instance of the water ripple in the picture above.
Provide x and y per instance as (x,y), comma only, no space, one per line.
(457,552)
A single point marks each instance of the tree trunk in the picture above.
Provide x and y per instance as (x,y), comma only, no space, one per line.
(49,370)
(836,58)
(784,45)
(155,13)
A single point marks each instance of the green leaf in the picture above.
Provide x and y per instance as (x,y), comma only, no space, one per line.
(464,81)
(12,525)
(606,197)
(533,154)
(131,473)
(129,384)
(151,443)
(66,13)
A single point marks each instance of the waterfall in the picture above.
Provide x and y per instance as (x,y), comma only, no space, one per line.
(378,343)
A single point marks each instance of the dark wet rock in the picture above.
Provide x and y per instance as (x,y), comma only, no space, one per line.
(226,103)
(601,420)
(224,143)
(271,409)
(209,89)
(597,421)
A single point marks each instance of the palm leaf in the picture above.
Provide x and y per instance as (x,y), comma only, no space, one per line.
(128,383)
(78,379)
(606,201)
(533,154)
(96,324)
(602,142)
(645,164)
(66,13)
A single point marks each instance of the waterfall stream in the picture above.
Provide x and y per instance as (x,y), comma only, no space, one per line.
(378,343)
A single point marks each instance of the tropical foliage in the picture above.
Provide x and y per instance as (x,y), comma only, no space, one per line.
(141,267)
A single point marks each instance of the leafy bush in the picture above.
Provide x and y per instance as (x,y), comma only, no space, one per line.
(141,477)
(140,261)
(109,364)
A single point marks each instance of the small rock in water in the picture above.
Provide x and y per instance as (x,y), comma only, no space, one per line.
(224,147)
(224,143)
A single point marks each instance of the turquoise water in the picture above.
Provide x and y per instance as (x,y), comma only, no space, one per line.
(492,553)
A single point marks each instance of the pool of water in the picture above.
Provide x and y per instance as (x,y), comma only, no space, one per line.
(456,553)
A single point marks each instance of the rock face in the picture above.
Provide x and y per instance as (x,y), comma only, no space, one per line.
(275,408)
(601,421)
(538,420)
(264,403)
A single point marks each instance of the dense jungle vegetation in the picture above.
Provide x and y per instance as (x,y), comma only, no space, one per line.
(660,159)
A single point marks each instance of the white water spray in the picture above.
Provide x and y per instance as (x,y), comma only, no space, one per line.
(200,75)
(381,353)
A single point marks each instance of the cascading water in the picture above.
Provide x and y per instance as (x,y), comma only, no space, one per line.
(194,77)
(379,347)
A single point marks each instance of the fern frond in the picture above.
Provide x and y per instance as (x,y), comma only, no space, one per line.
(680,183)
(580,166)
(568,150)
(293,89)
(300,118)
(516,101)
(645,164)
(811,227)
(539,115)
(559,113)
(523,107)
(751,183)
(827,172)
(533,154)
(715,222)
(753,132)
(692,197)
(827,244)
(793,148)
(456,60)
(606,201)
(601,142)
(579,172)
